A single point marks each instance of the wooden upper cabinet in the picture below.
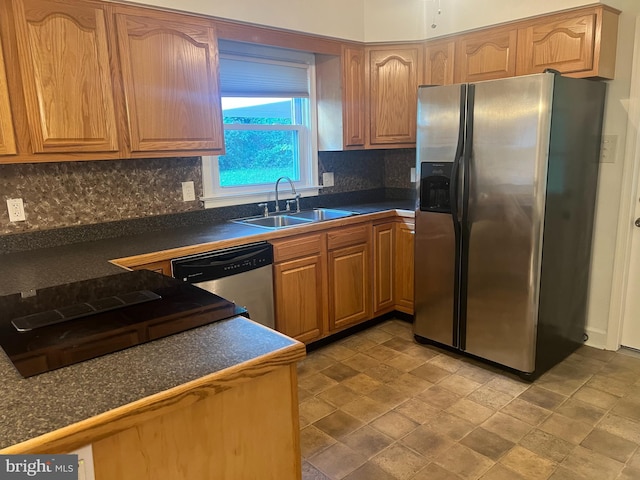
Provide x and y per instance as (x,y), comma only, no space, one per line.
(580,42)
(486,55)
(353,73)
(394,74)
(7,137)
(438,62)
(63,55)
(169,68)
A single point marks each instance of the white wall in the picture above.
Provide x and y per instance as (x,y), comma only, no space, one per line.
(398,20)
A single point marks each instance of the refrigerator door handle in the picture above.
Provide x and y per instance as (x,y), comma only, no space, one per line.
(454,182)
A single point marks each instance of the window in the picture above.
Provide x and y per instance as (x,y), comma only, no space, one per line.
(268,110)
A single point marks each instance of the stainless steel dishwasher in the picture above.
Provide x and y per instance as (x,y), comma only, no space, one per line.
(242,275)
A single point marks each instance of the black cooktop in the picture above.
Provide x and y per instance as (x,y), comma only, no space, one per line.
(59,326)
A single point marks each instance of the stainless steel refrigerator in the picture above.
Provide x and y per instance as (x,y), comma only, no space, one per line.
(508,174)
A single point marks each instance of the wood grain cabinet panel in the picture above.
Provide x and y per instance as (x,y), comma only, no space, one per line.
(486,55)
(63,54)
(439,59)
(7,136)
(383,268)
(577,42)
(394,73)
(170,77)
(404,270)
(163,267)
(353,71)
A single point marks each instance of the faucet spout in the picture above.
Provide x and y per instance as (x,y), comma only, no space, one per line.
(293,190)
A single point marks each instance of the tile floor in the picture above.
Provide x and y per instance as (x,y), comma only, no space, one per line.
(378,406)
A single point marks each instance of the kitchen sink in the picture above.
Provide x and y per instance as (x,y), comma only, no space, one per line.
(292,219)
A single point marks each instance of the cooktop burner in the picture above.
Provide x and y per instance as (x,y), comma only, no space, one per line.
(67,324)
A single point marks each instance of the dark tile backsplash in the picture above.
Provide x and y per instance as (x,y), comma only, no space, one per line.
(82,201)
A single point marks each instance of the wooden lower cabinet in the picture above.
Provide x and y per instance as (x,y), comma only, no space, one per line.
(404,257)
(383,268)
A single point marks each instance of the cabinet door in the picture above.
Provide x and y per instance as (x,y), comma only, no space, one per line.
(394,76)
(486,55)
(353,102)
(438,62)
(349,285)
(170,79)
(582,43)
(405,235)
(299,295)
(383,268)
(7,137)
(64,62)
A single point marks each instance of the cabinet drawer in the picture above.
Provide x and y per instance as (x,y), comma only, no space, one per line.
(295,247)
(348,236)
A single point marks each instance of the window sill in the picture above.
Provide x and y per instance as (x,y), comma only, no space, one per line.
(257,197)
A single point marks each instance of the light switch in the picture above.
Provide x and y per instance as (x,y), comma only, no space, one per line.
(609,148)
(327,179)
(188,192)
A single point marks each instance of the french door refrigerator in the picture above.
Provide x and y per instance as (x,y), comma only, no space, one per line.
(507,185)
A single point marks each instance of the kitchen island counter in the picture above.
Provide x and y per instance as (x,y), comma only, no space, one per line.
(146,389)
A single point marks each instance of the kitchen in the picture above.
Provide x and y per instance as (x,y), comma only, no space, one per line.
(116,190)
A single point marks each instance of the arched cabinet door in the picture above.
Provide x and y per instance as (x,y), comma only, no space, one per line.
(7,136)
(486,55)
(170,78)
(63,54)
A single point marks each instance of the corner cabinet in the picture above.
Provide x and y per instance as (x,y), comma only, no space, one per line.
(64,61)
(169,68)
(7,136)
(404,271)
(393,75)
(581,43)
(486,55)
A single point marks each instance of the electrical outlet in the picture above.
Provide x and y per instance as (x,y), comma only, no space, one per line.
(16,210)
(188,192)
(412,175)
(327,179)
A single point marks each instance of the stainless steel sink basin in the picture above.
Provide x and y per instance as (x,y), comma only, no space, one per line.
(321,214)
(282,220)
(278,221)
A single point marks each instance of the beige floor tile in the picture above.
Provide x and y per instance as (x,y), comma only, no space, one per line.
(447,361)
(459,385)
(546,445)
(561,384)
(527,412)
(608,385)
(609,445)
(357,343)
(410,384)
(388,396)
(562,473)
(595,397)
(404,363)
(317,361)
(361,383)
(629,408)
(339,372)
(313,409)
(399,461)
(369,471)
(338,424)
(303,394)
(400,344)
(634,461)
(470,411)
(314,440)
(464,462)
(316,382)
(394,424)
(398,328)
(507,427)
(581,411)
(622,427)
(476,373)
(383,372)
(430,372)
(337,461)
(500,472)
(338,395)
(418,411)
(629,473)
(439,397)
(487,443)
(508,385)
(337,352)
(454,427)
(365,409)
(542,397)
(309,472)
(367,441)
(382,353)
(421,351)
(528,464)
(570,430)
(377,336)
(590,464)
(489,397)
(596,353)
(361,362)
(435,472)
(427,442)
(625,360)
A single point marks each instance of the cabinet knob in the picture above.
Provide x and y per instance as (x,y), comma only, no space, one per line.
(637,222)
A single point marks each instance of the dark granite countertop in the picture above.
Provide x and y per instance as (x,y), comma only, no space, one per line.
(47,402)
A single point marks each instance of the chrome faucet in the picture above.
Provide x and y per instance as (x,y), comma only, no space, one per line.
(293,191)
